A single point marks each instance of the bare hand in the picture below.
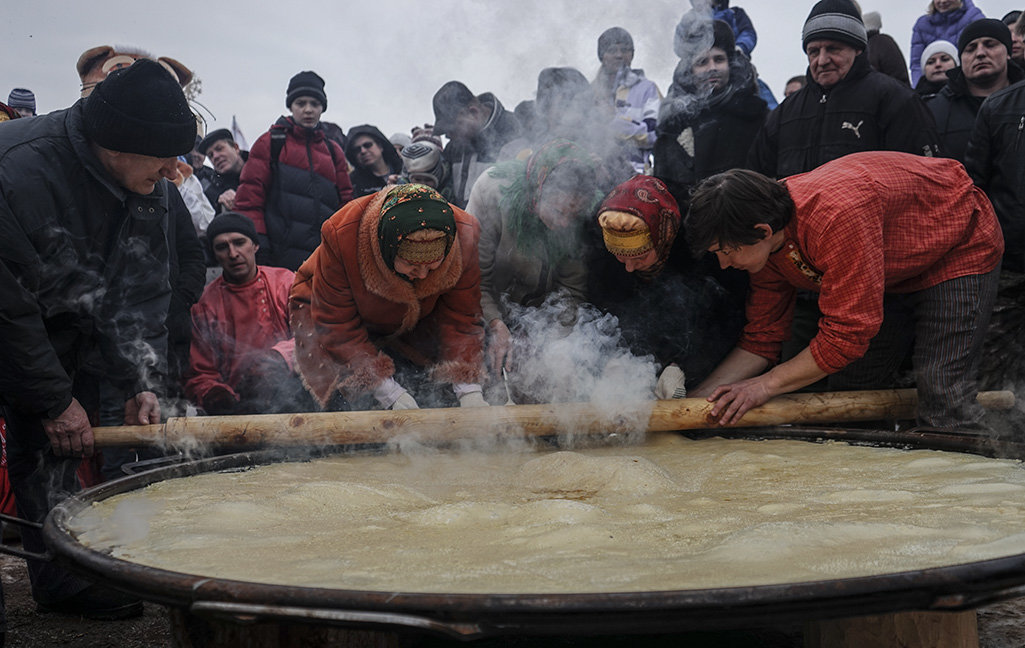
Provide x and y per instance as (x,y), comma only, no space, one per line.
(142,409)
(70,434)
(498,345)
(227,198)
(734,400)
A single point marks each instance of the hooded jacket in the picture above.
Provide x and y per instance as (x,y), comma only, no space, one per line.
(469,160)
(865,111)
(347,305)
(939,26)
(289,206)
(954,108)
(83,268)
(364,182)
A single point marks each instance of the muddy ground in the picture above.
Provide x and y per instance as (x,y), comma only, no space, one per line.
(1001,625)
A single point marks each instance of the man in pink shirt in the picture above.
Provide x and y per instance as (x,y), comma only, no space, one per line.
(897,246)
(242,356)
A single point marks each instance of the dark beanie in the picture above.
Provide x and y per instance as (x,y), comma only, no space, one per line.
(837,20)
(140,109)
(990,27)
(306,84)
(229,222)
(613,36)
(724,38)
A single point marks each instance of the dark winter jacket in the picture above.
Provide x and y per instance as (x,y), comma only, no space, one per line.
(289,206)
(884,56)
(83,268)
(690,148)
(866,111)
(691,314)
(364,182)
(954,109)
(470,159)
(996,161)
(219,183)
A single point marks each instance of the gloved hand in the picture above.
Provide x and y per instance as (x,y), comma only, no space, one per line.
(389,393)
(671,384)
(472,399)
(220,400)
(404,402)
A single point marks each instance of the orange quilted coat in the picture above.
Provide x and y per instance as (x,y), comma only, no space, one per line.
(346,306)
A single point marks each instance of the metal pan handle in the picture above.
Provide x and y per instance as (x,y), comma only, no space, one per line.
(249,612)
(21,553)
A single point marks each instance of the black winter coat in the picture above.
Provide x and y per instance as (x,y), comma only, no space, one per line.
(866,111)
(83,268)
(996,161)
(690,149)
(691,313)
(954,108)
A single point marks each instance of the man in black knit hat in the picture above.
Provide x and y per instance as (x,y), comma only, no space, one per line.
(984,48)
(845,106)
(84,291)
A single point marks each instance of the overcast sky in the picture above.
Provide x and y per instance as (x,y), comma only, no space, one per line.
(383,60)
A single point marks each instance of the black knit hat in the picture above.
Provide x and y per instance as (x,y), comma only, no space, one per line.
(613,36)
(990,27)
(140,109)
(306,84)
(229,222)
(837,20)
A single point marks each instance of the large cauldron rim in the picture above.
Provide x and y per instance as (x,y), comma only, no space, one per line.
(953,587)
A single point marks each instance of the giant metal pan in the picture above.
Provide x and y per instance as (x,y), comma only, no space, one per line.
(469,616)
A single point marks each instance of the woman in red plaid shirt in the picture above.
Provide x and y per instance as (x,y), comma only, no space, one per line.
(903,250)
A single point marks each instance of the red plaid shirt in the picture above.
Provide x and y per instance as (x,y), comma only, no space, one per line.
(866,224)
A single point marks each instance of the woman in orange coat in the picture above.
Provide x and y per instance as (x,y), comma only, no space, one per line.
(394,283)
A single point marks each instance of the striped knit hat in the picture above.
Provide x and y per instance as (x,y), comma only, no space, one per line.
(837,20)
(22,98)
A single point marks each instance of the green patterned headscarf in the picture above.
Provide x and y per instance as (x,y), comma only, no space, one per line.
(408,208)
(521,197)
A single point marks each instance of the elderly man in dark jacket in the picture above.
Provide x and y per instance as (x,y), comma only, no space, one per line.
(84,290)
(846,106)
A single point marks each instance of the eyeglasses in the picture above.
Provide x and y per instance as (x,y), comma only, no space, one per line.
(365,146)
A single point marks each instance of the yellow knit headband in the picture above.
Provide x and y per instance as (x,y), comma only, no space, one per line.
(627,244)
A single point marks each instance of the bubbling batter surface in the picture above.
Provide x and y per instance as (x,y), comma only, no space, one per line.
(674,514)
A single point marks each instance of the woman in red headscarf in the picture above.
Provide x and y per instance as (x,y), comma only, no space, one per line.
(685,312)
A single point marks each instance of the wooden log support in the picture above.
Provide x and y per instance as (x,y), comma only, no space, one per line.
(452,424)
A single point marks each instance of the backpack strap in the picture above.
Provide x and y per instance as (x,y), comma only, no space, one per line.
(277,142)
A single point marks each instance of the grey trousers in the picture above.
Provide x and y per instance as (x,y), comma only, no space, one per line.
(946,325)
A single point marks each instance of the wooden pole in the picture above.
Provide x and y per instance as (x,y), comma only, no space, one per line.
(451,424)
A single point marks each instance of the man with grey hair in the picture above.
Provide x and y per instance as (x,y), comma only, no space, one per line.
(845,107)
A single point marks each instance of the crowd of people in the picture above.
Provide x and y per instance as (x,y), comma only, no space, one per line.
(861,233)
